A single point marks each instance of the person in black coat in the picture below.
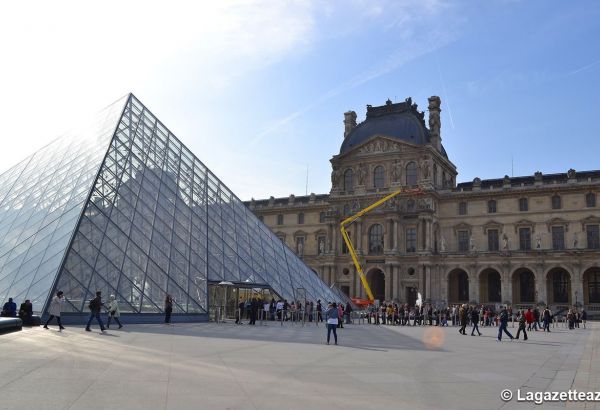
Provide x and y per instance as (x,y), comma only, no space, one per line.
(475,321)
(26,312)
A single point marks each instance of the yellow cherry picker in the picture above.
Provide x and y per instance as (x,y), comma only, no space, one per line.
(346,222)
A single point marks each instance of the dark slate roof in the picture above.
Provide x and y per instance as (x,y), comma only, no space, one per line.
(305,199)
(547,179)
(401,121)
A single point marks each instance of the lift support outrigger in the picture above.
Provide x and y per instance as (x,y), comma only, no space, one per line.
(346,222)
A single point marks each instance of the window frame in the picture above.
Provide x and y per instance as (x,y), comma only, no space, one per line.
(379,177)
(523,204)
(492,206)
(525,240)
(556,201)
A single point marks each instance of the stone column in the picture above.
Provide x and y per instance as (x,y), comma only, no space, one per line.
(577,286)
(474,287)
(427,282)
(395,234)
(359,237)
(506,287)
(330,239)
(540,286)
(388,282)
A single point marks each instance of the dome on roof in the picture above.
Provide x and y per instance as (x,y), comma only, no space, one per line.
(400,121)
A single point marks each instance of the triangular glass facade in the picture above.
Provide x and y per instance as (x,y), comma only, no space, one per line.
(155,221)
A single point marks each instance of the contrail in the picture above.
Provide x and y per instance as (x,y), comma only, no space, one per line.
(396,59)
(584,68)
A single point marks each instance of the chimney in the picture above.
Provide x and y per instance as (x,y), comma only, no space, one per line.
(349,122)
(434,122)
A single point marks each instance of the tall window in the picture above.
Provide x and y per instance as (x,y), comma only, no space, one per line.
(463,241)
(411,239)
(321,217)
(344,247)
(556,202)
(411,174)
(463,286)
(590,200)
(280,219)
(560,286)
(462,208)
(378,177)
(523,205)
(493,244)
(525,239)
(491,207)
(594,287)
(300,218)
(527,284)
(348,180)
(558,237)
(593,237)
(376,239)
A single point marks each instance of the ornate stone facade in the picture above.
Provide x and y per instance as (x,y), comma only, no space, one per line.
(522,240)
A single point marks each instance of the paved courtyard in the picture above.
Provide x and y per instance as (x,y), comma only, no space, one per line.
(210,366)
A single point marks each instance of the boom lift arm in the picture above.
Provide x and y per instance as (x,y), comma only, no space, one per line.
(346,222)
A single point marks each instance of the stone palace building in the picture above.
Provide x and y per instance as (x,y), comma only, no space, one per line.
(524,240)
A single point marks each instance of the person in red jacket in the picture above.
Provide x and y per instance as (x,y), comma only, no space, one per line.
(529,318)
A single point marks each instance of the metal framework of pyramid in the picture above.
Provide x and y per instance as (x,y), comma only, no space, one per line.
(122,206)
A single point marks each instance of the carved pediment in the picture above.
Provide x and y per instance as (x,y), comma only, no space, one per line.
(592,219)
(379,144)
(524,223)
(557,222)
(463,226)
(300,233)
(492,225)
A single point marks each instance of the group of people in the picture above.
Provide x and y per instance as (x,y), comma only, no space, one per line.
(95,306)
(282,310)
(25,312)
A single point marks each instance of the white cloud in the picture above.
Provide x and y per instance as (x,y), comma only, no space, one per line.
(62,59)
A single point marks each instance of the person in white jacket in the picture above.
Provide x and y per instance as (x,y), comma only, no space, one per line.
(55,308)
(113,311)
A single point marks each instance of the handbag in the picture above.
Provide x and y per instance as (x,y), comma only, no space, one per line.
(332,321)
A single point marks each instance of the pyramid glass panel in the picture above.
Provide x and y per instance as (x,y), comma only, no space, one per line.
(125,208)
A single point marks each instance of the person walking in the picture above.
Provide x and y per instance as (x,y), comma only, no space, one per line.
(55,308)
(95,306)
(475,322)
(583,317)
(168,308)
(113,312)
(503,325)
(522,321)
(529,318)
(319,311)
(462,314)
(547,318)
(332,316)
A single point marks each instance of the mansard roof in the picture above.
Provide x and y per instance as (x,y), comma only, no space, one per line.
(400,121)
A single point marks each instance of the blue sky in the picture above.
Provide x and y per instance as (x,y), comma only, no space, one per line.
(257,89)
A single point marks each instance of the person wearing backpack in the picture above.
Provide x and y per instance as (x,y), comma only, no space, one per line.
(95,306)
(522,321)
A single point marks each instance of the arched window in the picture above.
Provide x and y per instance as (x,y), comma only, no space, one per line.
(378,177)
(590,200)
(348,180)
(411,174)
(376,239)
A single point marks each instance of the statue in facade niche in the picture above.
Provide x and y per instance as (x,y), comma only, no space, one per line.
(321,246)
(443,244)
(335,176)
(425,169)
(504,241)
(575,240)
(538,242)
(361,174)
(397,172)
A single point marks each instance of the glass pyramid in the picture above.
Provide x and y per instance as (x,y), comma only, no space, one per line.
(122,206)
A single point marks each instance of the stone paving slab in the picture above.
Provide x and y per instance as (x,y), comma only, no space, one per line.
(210,366)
